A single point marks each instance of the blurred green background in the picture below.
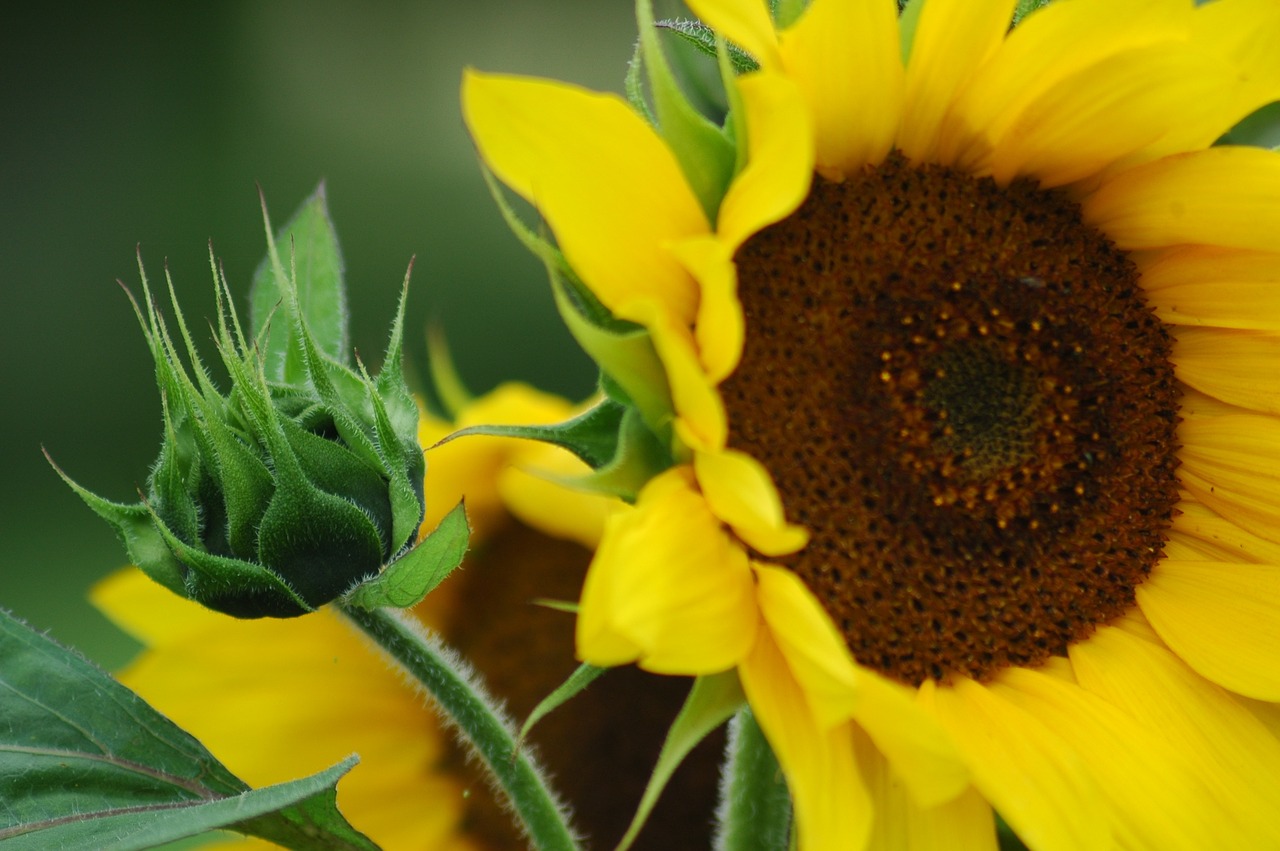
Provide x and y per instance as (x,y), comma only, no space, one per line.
(149,124)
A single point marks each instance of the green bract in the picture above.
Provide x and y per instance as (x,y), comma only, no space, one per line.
(301,482)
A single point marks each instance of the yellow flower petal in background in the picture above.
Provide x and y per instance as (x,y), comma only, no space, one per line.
(265,702)
(603,178)
(541,496)
(846,61)
(474,466)
(669,590)
(1222,618)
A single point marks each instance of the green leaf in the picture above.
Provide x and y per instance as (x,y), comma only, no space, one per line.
(411,577)
(310,241)
(712,701)
(583,676)
(706,157)
(1026,7)
(87,764)
(142,541)
(703,39)
(639,457)
(592,436)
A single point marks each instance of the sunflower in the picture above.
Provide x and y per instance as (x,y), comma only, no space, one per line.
(972,359)
(275,700)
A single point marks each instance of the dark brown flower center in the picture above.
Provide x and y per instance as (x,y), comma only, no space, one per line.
(963,396)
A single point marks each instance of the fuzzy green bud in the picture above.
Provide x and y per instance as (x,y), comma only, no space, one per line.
(288,491)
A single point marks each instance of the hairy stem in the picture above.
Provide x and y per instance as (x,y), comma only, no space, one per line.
(755,805)
(485,728)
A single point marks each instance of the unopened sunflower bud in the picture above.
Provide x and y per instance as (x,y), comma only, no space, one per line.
(284,493)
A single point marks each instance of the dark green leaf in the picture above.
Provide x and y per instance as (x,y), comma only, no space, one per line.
(411,577)
(87,764)
(310,240)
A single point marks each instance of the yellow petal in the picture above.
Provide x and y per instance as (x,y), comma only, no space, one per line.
(846,60)
(745,23)
(472,466)
(700,416)
(832,807)
(779,166)
(1222,618)
(1207,536)
(965,823)
(1231,463)
(1244,34)
(1226,364)
(537,494)
(1032,778)
(1226,288)
(279,699)
(1232,750)
(719,331)
(922,755)
(1195,404)
(741,493)
(668,588)
(1059,41)
(836,689)
(602,177)
(952,40)
(1156,796)
(815,653)
(1265,711)
(1108,111)
(1221,196)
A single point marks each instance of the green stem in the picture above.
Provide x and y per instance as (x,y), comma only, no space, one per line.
(456,690)
(755,806)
